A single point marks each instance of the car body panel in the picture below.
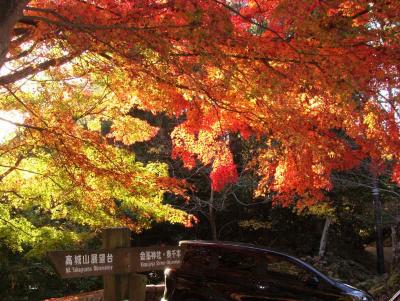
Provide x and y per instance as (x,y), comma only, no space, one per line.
(229,271)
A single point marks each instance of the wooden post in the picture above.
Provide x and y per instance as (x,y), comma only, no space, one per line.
(116,287)
(137,287)
(121,283)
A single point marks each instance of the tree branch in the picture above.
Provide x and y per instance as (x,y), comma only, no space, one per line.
(35,173)
(84,26)
(10,13)
(18,75)
(22,53)
(11,169)
(23,125)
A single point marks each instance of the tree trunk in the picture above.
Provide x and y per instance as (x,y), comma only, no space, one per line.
(10,13)
(380,261)
(211,215)
(396,246)
(324,237)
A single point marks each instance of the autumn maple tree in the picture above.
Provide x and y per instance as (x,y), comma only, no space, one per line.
(317,81)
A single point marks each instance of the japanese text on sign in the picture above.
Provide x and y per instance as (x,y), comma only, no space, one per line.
(84,263)
(159,258)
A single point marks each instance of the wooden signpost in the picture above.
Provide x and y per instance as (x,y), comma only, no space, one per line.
(86,263)
(117,263)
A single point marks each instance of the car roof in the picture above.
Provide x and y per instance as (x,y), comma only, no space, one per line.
(237,246)
(395,297)
(228,245)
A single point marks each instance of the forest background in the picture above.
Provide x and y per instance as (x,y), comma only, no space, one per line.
(270,122)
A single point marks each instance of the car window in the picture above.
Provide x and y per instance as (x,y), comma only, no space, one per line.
(287,268)
(197,258)
(236,261)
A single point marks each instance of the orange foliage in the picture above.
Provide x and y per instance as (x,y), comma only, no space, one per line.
(306,75)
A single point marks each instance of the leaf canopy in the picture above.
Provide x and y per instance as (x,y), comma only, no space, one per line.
(317,81)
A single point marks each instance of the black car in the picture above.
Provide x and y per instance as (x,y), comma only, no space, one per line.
(222,271)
